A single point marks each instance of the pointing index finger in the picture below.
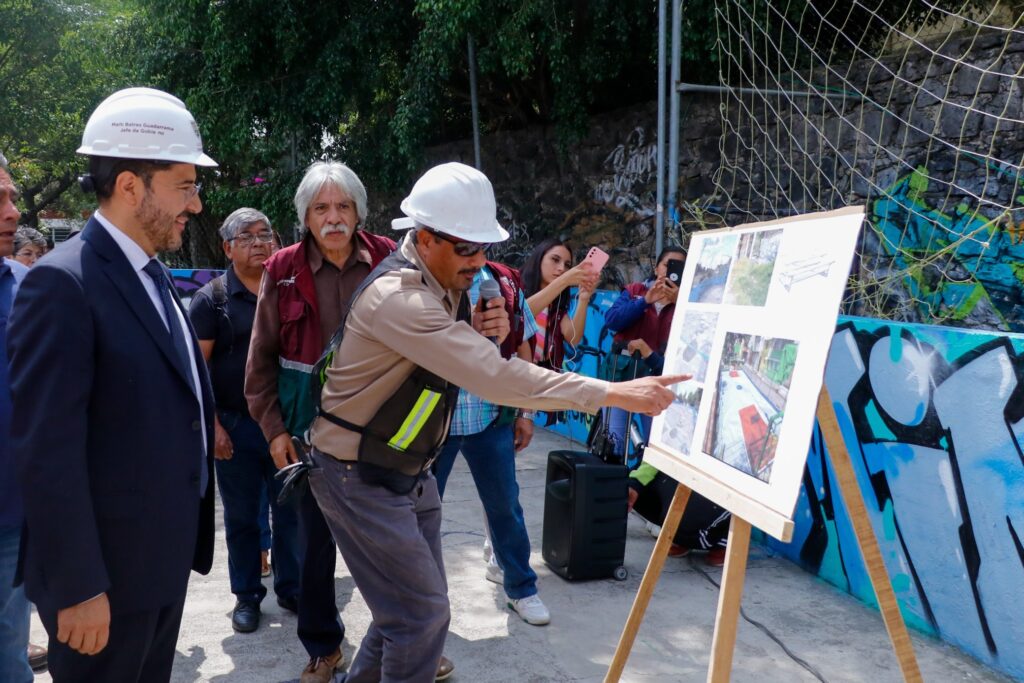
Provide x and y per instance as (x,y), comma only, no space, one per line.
(666,380)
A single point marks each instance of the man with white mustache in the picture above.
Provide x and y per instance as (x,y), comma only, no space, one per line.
(303,296)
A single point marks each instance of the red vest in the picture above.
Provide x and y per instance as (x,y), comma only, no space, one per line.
(653,327)
(297,308)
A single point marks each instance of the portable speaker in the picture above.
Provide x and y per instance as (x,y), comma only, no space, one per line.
(585,507)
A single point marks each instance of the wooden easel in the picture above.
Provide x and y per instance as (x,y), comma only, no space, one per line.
(734,572)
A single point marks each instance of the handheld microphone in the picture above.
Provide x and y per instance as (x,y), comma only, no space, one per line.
(489,289)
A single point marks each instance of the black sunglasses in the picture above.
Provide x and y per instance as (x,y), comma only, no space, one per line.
(461,247)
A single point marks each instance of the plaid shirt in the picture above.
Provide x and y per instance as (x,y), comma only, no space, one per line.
(473,414)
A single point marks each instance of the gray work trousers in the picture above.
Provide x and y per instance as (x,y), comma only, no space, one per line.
(392,547)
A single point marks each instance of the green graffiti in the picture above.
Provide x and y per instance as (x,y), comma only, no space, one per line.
(963,268)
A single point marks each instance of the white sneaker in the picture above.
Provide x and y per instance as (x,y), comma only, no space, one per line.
(494,572)
(531,609)
(488,554)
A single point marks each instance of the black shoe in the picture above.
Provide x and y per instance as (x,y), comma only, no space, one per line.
(290,603)
(37,657)
(246,617)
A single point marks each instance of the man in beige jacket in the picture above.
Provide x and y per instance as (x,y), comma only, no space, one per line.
(407,318)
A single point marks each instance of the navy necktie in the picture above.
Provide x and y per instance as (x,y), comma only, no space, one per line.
(179,342)
(156,272)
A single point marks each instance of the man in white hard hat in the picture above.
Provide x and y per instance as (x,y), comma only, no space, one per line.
(407,343)
(303,295)
(118,491)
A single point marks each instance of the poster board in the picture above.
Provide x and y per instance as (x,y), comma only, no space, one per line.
(753,322)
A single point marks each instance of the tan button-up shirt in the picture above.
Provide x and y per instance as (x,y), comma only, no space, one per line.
(404,319)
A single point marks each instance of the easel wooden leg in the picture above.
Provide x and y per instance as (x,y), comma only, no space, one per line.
(729,595)
(651,574)
(850,491)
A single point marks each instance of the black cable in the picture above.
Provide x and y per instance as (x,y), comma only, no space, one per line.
(764,629)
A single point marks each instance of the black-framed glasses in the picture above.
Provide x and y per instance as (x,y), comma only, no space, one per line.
(462,247)
(247,239)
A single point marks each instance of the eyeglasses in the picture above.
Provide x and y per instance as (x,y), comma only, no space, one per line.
(192,191)
(187,193)
(461,247)
(247,239)
(29,253)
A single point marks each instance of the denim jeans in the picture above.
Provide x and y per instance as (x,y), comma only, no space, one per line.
(492,461)
(14,612)
(241,480)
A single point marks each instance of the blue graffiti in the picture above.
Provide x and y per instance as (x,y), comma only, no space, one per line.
(934,419)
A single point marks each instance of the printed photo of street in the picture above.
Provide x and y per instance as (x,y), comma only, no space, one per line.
(681,417)
(712,270)
(752,272)
(694,348)
(750,401)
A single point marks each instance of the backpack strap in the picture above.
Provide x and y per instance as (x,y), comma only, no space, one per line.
(219,298)
(220,291)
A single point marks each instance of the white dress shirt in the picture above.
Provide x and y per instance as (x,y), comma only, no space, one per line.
(138,259)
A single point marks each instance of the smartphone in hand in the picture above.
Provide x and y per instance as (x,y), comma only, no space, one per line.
(674,268)
(596,258)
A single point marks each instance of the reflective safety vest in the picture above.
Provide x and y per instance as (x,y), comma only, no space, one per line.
(406,434)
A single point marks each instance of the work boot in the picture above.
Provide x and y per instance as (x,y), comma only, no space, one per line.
(321,669)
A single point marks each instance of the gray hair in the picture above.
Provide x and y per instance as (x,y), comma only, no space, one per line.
(25,236)
(321,173)
(239,220)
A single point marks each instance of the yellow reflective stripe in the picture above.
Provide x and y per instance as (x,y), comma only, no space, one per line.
(416,419)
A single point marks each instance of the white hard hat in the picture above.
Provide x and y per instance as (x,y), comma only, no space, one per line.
(455,199)
(143,123)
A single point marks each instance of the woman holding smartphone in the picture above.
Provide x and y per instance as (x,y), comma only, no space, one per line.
(548,274)
(641,319)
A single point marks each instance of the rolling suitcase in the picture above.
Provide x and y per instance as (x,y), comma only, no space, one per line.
(585,503)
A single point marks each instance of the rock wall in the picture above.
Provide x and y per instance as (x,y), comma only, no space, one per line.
(601,192)
(930,140)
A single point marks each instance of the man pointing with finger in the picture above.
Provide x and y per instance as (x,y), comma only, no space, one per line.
(304,293)
(410,341)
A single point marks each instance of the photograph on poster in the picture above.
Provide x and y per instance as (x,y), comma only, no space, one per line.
(712,271)
(749,402)
(697,331)
(681,417)
(752,271)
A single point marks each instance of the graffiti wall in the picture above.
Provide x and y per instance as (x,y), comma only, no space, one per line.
(962,266)
(934,421)
(933,418)
(188,281)
(586,359)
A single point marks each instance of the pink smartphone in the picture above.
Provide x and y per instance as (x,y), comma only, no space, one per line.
(596,258)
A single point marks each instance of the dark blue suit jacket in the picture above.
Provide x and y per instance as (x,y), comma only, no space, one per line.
(107,436)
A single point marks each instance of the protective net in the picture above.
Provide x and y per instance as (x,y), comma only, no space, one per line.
(914,111)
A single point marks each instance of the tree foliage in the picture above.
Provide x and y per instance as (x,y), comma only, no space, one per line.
(53,72)
(275,84)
